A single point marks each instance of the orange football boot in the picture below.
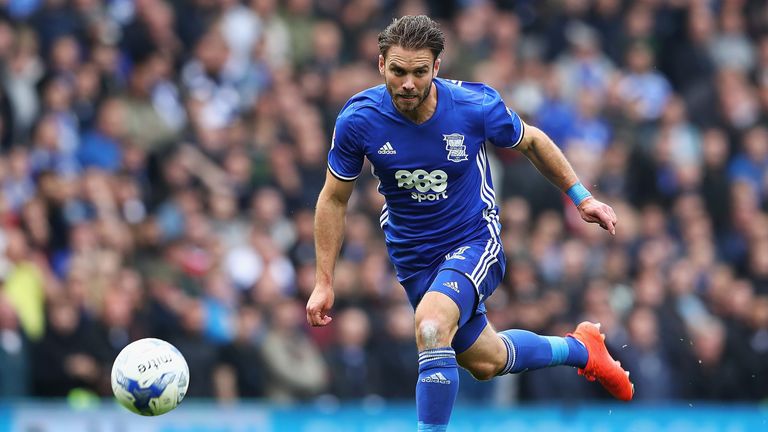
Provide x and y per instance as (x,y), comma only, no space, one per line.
(600,365)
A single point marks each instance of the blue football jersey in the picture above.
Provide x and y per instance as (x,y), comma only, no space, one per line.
(435,176)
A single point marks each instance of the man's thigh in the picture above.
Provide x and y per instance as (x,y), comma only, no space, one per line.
(482,262)
(469,275)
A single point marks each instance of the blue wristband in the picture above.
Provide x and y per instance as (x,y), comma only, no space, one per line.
(578,193)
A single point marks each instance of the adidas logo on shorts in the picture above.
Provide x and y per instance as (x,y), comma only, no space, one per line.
(452,285)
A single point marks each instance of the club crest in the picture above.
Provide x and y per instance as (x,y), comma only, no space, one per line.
(457,151)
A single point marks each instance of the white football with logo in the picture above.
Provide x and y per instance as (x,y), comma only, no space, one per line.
(150,377)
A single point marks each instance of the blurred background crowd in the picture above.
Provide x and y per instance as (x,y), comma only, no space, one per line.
(160,160)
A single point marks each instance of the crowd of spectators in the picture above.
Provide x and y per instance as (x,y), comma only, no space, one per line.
(160,161)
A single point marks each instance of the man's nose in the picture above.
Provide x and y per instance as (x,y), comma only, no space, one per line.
(408,83)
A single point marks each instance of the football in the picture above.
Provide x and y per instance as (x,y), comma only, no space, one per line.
(150,377)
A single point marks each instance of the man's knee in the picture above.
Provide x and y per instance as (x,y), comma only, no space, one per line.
(437,319)
(432,333)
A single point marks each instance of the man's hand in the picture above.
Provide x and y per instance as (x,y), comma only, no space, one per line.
(594,211)
(318,306)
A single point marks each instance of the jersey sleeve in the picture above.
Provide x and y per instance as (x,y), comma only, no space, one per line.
(345,159)
(503,127)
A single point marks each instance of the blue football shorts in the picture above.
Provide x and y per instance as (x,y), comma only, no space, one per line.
(468,275)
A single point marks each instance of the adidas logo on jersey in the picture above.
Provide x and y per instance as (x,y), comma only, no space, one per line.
(387,149)
(452,285)
(437,378)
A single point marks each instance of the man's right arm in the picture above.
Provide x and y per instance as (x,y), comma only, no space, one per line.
(329,233)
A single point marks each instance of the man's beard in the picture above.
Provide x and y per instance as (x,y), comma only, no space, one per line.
(420,100)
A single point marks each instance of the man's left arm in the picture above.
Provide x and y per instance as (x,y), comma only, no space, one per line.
(551,162)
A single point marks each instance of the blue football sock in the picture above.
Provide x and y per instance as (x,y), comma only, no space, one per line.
(436,389)
(529,351)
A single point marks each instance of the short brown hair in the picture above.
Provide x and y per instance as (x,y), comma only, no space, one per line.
(412,32)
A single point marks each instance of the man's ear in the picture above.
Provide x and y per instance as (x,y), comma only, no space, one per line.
(436,68)
(381,64)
